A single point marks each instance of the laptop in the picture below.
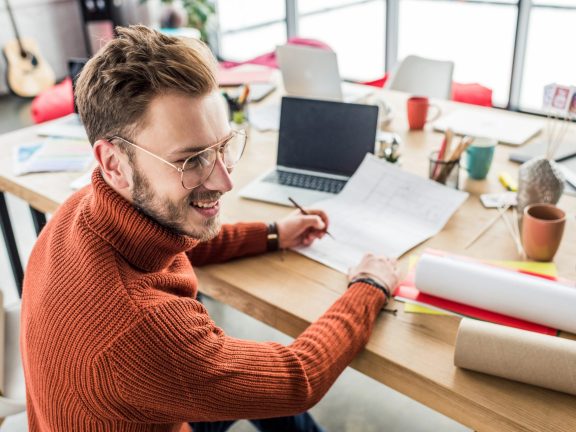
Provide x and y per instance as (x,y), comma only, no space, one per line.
(505,127)
(320,145)
(313,73)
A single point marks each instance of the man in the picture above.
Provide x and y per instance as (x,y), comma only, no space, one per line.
(113,337)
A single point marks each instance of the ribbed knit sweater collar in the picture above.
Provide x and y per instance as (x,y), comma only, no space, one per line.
(140,240)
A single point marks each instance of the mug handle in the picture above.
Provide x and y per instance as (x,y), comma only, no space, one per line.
(437,114)
(384,112)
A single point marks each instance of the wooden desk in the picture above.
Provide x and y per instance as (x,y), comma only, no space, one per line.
(411,353)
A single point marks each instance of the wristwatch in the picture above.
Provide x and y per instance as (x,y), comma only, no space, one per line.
(272,242)
(374,283)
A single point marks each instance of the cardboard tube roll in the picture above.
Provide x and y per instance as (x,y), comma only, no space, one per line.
(519,355)
(508,292)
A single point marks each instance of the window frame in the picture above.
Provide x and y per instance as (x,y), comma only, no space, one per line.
(392,9)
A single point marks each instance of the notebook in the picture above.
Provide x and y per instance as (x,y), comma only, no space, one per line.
(320,145)
(313,73)
(504,127)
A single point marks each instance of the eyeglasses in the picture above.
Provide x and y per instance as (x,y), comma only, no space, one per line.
(198,167)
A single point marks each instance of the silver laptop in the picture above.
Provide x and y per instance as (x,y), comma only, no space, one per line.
(320,145)
(313,73)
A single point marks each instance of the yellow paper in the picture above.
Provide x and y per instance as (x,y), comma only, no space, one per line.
(415,308)
(544,268)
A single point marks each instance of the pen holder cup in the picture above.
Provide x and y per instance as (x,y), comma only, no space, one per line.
(444,172)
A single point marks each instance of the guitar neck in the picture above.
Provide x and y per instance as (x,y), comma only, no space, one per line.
(16,33)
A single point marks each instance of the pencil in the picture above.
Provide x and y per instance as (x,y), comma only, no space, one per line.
(244,96)
(304,212)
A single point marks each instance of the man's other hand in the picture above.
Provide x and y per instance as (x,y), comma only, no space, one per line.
(297,229)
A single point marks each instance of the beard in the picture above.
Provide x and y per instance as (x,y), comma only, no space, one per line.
(174,215)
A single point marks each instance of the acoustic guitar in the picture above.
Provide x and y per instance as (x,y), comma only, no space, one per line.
(27,72)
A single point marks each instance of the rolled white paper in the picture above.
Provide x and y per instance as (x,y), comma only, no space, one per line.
(508,292)
(519,355)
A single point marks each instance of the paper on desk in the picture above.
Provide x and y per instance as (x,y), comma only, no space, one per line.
(52,155)
(500,295)
(544,268)
(383,210)
(69,126)
(84,180)
(264,117)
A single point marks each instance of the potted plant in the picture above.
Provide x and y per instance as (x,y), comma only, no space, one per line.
(195,13)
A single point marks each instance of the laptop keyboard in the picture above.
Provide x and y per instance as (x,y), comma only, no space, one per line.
(305,181)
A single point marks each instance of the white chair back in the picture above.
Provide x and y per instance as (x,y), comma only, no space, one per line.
(423,77)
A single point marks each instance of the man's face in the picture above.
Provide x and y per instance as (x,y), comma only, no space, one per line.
(177,127)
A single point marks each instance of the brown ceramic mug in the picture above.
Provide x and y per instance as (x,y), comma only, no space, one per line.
(542,229)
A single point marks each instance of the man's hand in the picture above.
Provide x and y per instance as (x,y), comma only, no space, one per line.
(297,229)
(380,268)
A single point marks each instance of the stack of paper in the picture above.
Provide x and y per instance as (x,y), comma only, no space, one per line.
(383,210)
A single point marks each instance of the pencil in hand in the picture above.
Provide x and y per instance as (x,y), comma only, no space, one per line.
(304,212)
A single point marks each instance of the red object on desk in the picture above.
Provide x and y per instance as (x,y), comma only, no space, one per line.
(407,290)
(410,292)
(53,103)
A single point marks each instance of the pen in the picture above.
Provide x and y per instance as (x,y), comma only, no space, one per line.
(304,212)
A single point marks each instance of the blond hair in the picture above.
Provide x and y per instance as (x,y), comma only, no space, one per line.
(116,86)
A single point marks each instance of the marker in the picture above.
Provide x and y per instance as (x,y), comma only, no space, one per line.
(508,182)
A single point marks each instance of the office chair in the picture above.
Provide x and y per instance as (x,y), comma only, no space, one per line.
(423,77)
(13,399)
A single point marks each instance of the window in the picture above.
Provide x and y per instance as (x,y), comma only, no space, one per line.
(514,47)
(478,37)
(249,28)
(355,31)
(549,56)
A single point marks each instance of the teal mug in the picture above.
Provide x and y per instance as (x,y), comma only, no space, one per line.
(479,157)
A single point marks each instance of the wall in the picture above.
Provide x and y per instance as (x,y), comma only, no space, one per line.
(56,25)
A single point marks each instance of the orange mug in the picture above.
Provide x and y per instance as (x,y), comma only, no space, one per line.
(542,229)
(417,109)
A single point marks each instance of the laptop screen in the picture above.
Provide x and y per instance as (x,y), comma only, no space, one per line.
(325,136)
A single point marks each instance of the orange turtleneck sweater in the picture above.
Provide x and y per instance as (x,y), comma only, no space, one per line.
(113,338)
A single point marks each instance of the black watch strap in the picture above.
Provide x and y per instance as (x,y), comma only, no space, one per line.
(374,283)
(272,242)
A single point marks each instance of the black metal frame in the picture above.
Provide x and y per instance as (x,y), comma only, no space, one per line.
(38,218)
(11,246)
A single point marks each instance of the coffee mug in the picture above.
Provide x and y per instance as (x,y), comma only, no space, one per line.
(479,157)
(417,110)
(542,229)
